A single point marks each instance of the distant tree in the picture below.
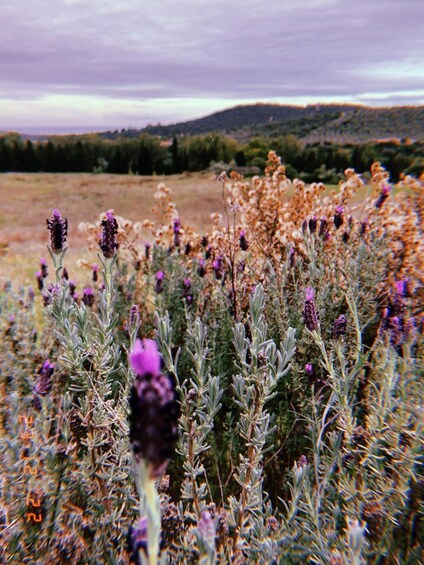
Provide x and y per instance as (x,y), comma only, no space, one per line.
(176,161)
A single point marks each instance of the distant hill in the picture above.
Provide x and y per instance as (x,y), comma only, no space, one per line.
(341,123)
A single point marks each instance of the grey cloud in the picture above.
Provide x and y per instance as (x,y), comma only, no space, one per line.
(197,48)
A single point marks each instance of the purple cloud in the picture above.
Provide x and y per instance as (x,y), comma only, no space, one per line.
(240,50)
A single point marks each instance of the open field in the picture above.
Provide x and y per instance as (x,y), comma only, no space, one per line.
(26,200)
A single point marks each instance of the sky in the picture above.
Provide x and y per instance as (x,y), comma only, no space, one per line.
(81,65)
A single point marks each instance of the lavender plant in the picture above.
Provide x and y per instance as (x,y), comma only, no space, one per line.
(287,450)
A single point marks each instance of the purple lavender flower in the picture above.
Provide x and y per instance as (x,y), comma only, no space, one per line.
(88,296)
(137,540)
(218,268)
(201,271)
(153,409)
(304,226)
(313,224)
(403,289)
(177,231)
(310,315)
(206,528)
(338,217)
(134,317)
(309,371)
(58,232)
(292,260)
(43,383)
(95,273)
(47,298)
(160,275)
(44,268)
(384,194)
(71,286)
(30,294)
(145,358)
(244,244)
(323,226)
(109,242)
(345,237)
(303,462)
(40,280)
(65,274)
(363,227)
(147,248)
(204,241)
(187,248)
(186,291)
(208,252)
(339,327)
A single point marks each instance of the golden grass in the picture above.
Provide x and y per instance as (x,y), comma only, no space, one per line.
(27,200)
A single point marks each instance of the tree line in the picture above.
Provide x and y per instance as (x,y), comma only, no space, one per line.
(148,155)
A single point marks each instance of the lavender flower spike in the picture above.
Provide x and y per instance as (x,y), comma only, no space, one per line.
(58,231)
(153,410)
(145,358)
(339,327)
(109,242)
(44,378)
(310,315)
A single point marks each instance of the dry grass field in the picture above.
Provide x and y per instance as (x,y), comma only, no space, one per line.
(26,200)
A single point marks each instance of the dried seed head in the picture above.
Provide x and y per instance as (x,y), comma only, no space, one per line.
(109,242)
(58,231)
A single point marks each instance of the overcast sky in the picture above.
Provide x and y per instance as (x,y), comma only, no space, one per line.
(112,64)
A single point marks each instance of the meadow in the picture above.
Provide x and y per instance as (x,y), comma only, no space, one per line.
(27,199)
(238,379)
